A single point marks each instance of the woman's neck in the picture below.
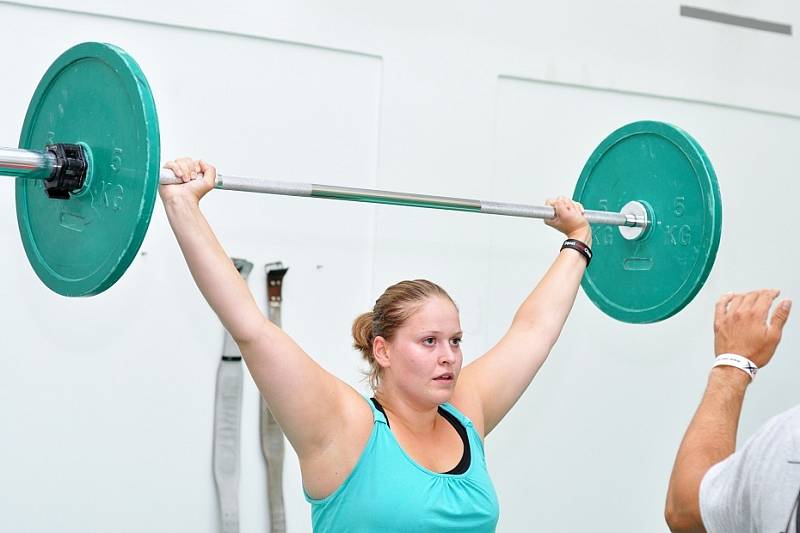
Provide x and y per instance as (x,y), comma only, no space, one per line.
(417,419)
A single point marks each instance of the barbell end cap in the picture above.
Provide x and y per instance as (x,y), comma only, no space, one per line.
(639,219)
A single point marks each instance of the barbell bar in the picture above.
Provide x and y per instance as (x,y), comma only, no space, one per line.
(88,168)
(32,164)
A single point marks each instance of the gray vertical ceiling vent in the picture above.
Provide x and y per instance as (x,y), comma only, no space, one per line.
(736,20)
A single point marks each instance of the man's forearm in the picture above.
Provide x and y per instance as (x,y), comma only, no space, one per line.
(710,438)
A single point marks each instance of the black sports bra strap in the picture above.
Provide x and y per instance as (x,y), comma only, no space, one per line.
(466,457)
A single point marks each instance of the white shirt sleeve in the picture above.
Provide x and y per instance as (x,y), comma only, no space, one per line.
(755,489)
(724,499)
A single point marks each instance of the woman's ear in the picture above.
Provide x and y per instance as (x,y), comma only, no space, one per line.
(380,351)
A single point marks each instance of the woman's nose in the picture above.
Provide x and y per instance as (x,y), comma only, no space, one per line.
(447,354)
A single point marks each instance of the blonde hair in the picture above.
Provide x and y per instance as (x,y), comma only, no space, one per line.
(391,310)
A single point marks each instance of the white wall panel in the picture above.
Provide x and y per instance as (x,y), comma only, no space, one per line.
(597,433)
(108,401)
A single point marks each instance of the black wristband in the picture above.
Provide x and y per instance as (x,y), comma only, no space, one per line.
(584,250)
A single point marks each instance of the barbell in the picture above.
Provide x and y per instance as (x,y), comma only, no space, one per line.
(88,169)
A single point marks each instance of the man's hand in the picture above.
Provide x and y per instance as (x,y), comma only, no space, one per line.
(741,326)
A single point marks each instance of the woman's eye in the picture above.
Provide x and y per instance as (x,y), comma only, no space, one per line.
(455,342)
(429,341)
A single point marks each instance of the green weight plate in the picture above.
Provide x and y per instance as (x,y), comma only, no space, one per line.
(96,95)
(654,277)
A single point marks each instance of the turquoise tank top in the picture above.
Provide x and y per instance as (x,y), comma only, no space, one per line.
(388,492)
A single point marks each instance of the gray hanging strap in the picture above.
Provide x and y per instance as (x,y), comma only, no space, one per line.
(227,424)
(271,432)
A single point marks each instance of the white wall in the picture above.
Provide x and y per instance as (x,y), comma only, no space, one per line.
(107,423)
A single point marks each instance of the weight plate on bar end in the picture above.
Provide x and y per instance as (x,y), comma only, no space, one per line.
(660,165)
(96,95)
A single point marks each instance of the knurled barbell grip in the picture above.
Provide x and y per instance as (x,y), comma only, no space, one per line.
(247,184)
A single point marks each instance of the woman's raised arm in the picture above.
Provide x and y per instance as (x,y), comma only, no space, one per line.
(312,406)
(494,382)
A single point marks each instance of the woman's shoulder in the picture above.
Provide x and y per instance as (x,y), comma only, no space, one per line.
(467,408)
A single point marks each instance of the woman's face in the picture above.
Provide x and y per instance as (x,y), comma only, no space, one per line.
(424,356)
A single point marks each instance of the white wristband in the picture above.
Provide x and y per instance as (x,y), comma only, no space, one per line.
(742,363)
